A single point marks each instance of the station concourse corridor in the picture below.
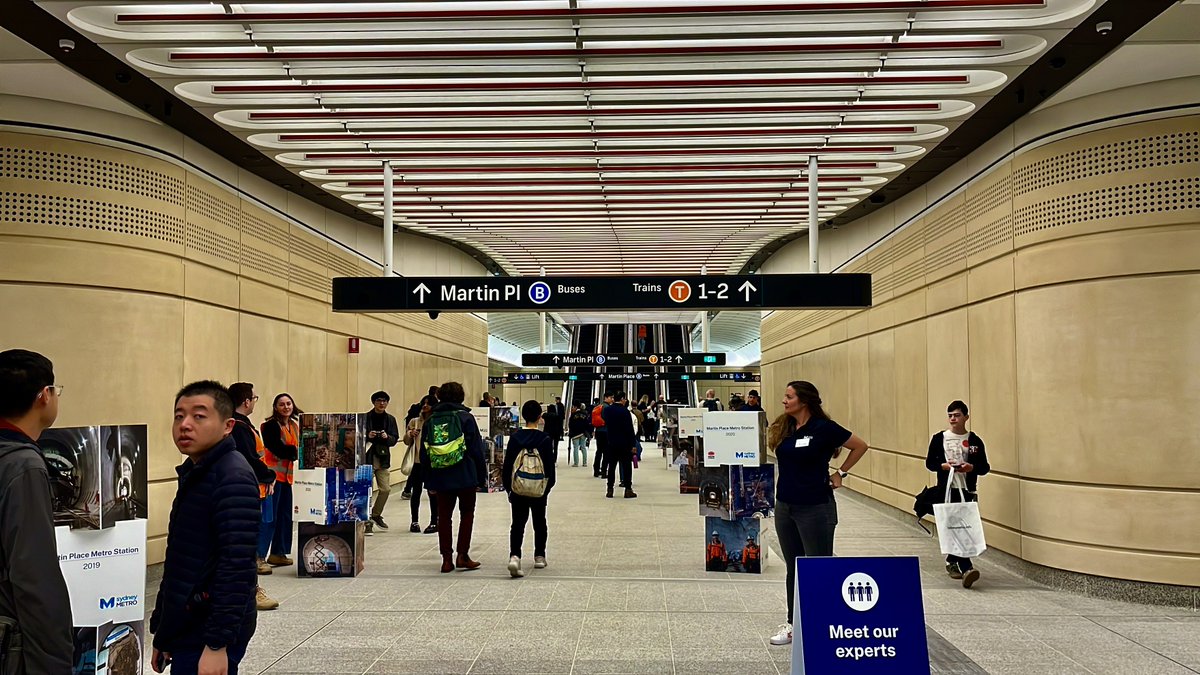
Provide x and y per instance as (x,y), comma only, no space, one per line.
(625,591)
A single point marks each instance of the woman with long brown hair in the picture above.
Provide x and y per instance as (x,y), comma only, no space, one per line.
(805,442)
(281,436)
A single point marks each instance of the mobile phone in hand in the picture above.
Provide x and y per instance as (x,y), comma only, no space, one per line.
(161,661)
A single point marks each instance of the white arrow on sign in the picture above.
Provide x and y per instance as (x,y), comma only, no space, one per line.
(747,287)
(555,359)
(423,290)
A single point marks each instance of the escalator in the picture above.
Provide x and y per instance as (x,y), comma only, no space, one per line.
(616,341)
(644,387)
(585,340)
(675,341)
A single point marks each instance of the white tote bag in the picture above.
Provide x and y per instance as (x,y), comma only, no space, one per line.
(959,527)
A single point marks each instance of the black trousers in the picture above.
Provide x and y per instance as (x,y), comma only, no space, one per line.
(622,457)
(521,510)
(803,530)
(416,482)
(601,445)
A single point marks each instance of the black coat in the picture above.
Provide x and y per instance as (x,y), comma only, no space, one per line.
(580,424)
(554,424)
(380,447)
(471,472)
(937,455)
(206,596)
(243,435)
(621,435)
(520,440)
(32,589)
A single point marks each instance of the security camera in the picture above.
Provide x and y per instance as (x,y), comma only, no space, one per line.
(1104,27)
(66,45)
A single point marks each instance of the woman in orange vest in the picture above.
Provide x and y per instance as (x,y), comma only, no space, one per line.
(281,436)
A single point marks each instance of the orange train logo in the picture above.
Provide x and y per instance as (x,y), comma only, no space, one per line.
(679,291)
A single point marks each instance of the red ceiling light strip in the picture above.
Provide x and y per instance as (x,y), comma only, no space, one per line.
(601,202)
(367,88)
(440,114)
(599,134)
(617,183)
(580,12)
(656,152)
(376,187)
(587,52)
(588,168)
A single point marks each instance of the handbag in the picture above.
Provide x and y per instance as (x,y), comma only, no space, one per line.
(410,458)
(959,527)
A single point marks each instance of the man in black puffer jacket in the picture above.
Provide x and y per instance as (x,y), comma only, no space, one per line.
(205,614)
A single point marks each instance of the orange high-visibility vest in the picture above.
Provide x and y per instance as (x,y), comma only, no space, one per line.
(283,468)
(750,553)
(716,551)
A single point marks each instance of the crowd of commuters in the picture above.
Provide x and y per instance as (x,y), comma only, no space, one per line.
(232,512)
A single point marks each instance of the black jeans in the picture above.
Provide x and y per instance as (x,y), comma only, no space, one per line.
(622,457)
(964,564)
(416,482)
(803,531)
(601,445)
(521,509)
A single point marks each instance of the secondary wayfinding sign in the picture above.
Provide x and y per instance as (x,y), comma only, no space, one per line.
(521,378)
(859,615)
(657,359)
(615,293)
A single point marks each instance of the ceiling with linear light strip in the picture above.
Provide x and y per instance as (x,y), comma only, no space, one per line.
(584,136)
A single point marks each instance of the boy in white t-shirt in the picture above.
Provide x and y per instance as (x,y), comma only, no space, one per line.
(959,455)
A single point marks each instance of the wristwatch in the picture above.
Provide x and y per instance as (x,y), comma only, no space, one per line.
(843,474)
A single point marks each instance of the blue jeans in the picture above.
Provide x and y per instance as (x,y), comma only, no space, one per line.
(275,530)
(579,446)
(188,662)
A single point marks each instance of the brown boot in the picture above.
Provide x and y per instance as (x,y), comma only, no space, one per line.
(464,561)
(630,494)
(447,562)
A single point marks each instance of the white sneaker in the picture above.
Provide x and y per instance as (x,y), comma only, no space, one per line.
(784,636)
(514,567)
(539,562)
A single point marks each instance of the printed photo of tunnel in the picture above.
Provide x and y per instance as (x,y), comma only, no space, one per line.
(73,462)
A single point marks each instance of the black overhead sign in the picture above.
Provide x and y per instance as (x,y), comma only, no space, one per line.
(617,293)
(571,360)
(524,378)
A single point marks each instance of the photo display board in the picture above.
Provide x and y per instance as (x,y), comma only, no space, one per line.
(732,437)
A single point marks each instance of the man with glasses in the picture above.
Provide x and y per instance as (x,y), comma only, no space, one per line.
(382,434)
(32,590)
(250,444)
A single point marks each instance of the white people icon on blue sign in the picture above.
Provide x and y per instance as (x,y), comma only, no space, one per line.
(860,592)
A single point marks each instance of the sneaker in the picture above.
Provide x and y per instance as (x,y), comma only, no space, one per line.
(539,562)
(415,527)
(432,529)
(263,601)
(406,494)
(783,636)
(953,571)
(630,494)
(264,567)
(378,520)
(514,567)
(276,560)
(970,577)
(369,530)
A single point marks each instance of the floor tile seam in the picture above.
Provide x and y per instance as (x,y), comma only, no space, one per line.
(301,643)
(579,636)
(764,582)
(1148,648)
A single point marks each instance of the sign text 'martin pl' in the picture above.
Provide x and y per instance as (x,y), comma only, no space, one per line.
(617,293)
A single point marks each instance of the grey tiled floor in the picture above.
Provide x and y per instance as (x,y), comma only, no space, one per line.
(626,592)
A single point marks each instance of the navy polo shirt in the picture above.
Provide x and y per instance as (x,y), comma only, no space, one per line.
(803,460)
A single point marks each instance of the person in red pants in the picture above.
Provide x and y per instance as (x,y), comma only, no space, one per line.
(454,469)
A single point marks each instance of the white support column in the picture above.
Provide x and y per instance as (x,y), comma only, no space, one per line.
(704,330)
(542,330)
(814,265)
(388,206)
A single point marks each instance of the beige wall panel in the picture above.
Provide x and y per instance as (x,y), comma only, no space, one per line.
(1119,563)
(210,343)
(370,327)
(260,298)
(948,366)
(307,312)
(263,357)
(159,498)
(211,285)
(859,389)
(892,497)
(884,428)
(63,261)
(993,366)
(395,379)
(882,316)
(306,372)
(865,468)
(1000,500)
(858,323)
(337,373)
(909,307)
(1172,249)
(1112,517)
(369,366)
(836,391)
(883,468)
(1119,361)
(911,474)
(912,379)
(1002,539)
(344,323)
(990,279)
(156,549)
(946,294)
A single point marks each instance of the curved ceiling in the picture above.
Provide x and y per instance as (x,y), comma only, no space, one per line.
(589,136)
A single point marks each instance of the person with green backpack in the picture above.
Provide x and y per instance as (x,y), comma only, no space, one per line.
(454,469)
(528,477)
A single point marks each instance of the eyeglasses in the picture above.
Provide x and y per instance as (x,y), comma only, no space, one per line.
(58,389)
(253,398)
